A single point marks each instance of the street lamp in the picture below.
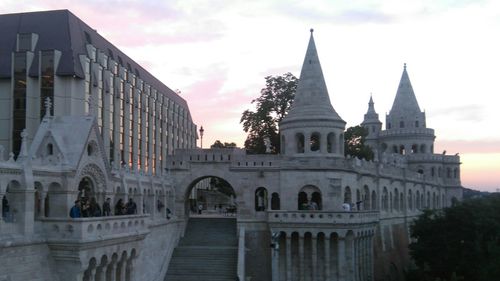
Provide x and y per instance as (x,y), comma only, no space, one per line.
(201,136)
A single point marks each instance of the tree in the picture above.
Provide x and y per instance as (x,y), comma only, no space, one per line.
(458,243)
(271,107)
(219,144)
(354,143)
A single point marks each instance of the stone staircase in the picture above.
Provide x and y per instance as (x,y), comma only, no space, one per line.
(207,252)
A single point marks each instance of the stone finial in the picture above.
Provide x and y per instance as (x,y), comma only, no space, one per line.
(11,157)
(404,66)
(23,154)
(48,106)
(311,30)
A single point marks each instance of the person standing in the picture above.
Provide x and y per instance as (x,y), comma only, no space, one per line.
(75,211)
(106,207)
(131,207)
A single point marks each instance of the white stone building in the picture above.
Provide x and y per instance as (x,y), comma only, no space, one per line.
(294,200)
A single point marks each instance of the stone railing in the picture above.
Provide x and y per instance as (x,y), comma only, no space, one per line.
(322,217)
(89,229)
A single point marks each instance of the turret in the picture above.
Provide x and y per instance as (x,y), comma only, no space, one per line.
(372,124)
(312,127)
(406,131)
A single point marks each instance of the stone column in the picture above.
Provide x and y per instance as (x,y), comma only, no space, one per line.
(43,195)
(288,257)
(356,267)
(301,257)
(1,205)
(314,254)
(327,258)
(112,271)
(92,273)
(341,258)
(371,259)
(123,268)
(100,274)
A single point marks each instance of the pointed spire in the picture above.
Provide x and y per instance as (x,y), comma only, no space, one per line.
(311,99)
(405,101)
(371,106)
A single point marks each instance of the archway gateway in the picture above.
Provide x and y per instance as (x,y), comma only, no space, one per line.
(210,196)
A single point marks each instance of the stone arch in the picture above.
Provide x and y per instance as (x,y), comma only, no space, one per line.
(417,199)
(192,191)
(275,201)
(37,203)
(315,142)
(97,177)
(401,201)
(384,147)
(385,199)
(261,199)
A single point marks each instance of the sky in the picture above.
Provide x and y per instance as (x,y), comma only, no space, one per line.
(217,53)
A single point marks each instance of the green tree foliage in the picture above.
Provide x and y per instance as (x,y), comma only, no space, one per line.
(219,144)
(354,143)
(272,105)
(458,243)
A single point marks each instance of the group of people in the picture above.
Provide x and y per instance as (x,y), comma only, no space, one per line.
(85,208)
(130,208)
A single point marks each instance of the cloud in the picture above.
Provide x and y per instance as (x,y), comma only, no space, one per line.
(472,112)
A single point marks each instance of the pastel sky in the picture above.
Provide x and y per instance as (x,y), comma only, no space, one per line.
(218,52)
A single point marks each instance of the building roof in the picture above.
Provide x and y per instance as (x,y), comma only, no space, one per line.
(63,31)
(405,102)
(312,100)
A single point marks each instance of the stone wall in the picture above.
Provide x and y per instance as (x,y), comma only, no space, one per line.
(26,262)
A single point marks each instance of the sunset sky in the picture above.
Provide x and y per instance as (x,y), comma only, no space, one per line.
(217,53)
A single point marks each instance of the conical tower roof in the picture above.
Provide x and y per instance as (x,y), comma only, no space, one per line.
(405,102)
(311,99)
(371,114)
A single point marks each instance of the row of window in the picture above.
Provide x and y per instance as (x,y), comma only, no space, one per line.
(314,142)
(310,198)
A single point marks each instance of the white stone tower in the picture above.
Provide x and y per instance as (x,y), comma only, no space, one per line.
(312,127)
(406,131)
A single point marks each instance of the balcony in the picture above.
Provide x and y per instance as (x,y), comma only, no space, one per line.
(94,229)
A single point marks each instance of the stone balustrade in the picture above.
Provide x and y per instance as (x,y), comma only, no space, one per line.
(99,228)
(322,217)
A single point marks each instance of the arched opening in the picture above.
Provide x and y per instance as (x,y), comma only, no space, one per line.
(384,147)
(396,200)
(310,198)
(433,171)
(211,195)
(417,199)
(347,195)
(366,198)
(302,201)
(50,149)
(275,201)
(448,172)
(261,199)
(410,200)
(414,148)
(401,124)
(385,199)
(341,144)
(374,200)
(402,150)
(416,124)
(455,173)
(314,142)
(299,140)
(331,146)
(423,148)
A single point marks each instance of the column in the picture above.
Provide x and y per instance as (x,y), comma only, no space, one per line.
(123,269)
(275,262)
(355,248)
(371,265)
(112,271)
(341,258)
(92,274)
(301,257)
(288,256)
(43,195)
(100,274)
(327,258)
(314,254)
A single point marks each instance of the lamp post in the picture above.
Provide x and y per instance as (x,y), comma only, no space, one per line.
(201,136)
